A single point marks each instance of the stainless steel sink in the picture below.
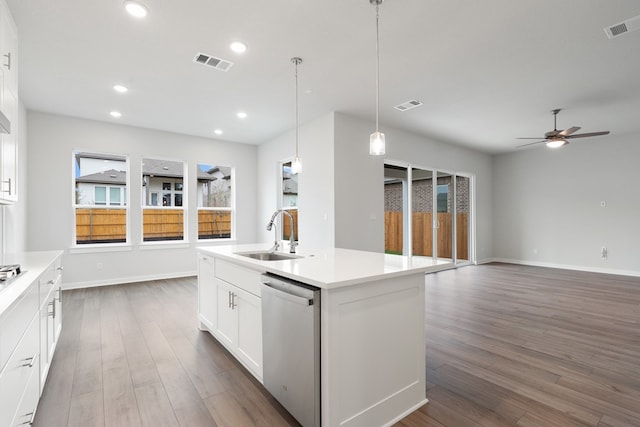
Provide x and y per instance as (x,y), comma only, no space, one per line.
(268,256)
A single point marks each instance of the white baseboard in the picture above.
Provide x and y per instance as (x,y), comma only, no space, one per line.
(122,280)
(566,266)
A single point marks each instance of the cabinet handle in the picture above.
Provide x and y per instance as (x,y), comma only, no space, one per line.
(8,64)
(233,301)
(31,360)
(59,298)
(30,422)
(51,282)
(8,181)
(60,268)
(52,303)
(229,298)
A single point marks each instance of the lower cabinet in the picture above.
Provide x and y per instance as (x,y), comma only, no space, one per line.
(231,312)
(29,330)
(206,292)
(18,377)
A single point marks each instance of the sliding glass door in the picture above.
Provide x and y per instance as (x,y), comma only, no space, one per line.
(427,213)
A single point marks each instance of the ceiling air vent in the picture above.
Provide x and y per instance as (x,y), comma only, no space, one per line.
(627,26)
(212,61)
(408,105)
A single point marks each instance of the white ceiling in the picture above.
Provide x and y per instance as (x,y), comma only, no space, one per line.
(487,71)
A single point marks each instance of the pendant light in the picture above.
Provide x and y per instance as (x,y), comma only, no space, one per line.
(376,140)
(296,166)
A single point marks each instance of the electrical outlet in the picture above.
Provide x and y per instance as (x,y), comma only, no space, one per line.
(603,252)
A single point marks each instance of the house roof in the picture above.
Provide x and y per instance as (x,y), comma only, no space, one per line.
(106,177)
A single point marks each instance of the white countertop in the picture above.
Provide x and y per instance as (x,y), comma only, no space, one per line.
(328,268)
(32,265)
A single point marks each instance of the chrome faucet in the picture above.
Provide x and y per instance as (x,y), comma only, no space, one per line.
(292,242)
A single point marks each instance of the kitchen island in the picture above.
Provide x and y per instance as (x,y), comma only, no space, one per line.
(372,343)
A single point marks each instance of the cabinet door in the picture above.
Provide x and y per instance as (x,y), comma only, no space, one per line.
(206,292)
(226,326)
(9,49)
(27,409)
(22,365)
(9,152)
(249,341)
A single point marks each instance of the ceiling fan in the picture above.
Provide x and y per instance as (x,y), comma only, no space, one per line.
(557,138)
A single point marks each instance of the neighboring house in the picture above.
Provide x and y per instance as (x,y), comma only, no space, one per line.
(162,182)
(100,180)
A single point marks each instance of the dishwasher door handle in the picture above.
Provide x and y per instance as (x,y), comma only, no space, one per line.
(286,295)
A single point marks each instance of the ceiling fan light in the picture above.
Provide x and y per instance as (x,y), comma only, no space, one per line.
(376,144)
(556,142)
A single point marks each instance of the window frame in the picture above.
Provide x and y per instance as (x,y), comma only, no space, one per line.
(76,197)
(231,209)
(161,193)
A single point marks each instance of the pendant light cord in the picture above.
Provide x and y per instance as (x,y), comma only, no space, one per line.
(297,61)
(377,65)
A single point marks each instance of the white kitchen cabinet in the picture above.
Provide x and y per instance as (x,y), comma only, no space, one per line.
(28,335)
(230,308)
(226,325)
(248,308)
(239,324)
(50,316)
(206,293)
(8,105)
(9,152)
(17,375)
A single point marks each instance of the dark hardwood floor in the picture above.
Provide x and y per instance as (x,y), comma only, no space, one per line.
(507,345)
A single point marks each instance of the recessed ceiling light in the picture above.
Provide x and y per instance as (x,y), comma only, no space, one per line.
(120,88)
(218,132)
(242,115)
(135,8)
(238,47)
(116,114)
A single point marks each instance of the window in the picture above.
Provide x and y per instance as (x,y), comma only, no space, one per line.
(162,181)
(100,203)
(289,201)
(443,198)
(215,201)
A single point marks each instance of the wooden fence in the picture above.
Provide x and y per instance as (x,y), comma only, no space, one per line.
(162,224)
(214,224)
(102,225)
(422,239)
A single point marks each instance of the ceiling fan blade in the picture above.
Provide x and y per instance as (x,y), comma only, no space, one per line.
(569,131)
(531,143)
(584,135)
(533,137)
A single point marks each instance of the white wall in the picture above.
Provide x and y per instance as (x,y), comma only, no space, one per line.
(315,183)
(548,205)
(52,140)
(360,177)
(13,229)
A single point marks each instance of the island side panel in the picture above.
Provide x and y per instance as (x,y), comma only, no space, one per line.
(373,351)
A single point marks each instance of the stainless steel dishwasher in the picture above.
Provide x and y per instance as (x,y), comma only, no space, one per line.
(291,346)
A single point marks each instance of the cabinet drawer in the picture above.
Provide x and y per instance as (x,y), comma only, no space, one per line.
(17,373)
(26,411)
(50,279)
(244,278)
(15,321)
